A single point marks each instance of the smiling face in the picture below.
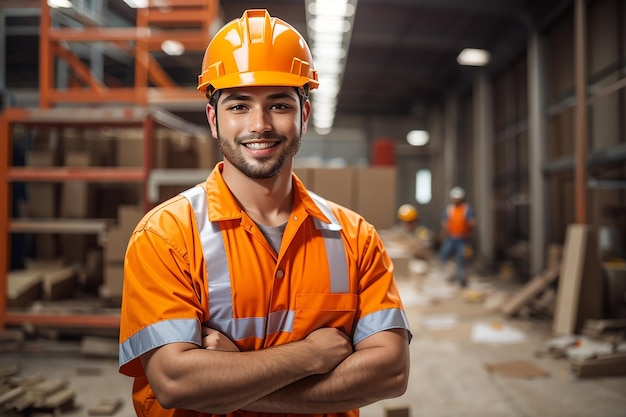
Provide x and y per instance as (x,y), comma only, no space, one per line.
(258,129)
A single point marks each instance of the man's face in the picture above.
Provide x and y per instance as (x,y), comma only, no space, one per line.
(258,129)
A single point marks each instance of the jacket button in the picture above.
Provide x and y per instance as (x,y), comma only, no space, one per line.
(280,273)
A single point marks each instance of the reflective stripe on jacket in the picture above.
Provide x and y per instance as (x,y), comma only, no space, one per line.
(198,259)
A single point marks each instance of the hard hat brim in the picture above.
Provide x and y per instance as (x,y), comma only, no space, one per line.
(259,79)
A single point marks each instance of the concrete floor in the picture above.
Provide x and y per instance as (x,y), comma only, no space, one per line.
(449,375)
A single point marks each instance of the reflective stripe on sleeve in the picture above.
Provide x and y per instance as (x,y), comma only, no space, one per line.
(378,321)
(159,334)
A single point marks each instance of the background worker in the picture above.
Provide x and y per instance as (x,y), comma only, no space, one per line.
(458,221)
(419,238)
(248,295)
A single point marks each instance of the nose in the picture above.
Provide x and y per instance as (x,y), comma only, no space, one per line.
(259,120)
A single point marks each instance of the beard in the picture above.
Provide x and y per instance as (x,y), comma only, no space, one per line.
(258,167)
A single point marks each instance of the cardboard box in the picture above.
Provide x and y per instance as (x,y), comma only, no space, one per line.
(115,244)
(335,184)
(376,195)
(206,151)
(113,281)
(129,151)
(77,200)
(306,176)
(128,216)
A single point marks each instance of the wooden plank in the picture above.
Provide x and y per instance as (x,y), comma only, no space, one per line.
(606,365)
(579,294)
(59,399)
(532,288)
(24,287)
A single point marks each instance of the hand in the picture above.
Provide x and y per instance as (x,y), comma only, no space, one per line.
(214,340)
(331,346)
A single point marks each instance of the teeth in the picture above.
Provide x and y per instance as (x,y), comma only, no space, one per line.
(259,145)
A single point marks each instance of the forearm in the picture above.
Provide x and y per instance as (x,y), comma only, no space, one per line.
(366,376)
(219,382)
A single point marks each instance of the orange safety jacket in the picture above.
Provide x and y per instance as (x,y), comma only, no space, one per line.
(199,260)
(457,218)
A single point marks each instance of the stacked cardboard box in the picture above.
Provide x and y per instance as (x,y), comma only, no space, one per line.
(115,245)
(370,191)
(42,202)
(77,202)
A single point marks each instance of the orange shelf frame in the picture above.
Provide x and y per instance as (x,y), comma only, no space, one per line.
(194,17)
(186,21)
(146,118)
(111,321)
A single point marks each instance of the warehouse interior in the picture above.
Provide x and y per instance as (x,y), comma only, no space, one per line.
(100,121)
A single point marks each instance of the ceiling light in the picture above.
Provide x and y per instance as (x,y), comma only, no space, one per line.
(328,38)
(322,130)
(475,57)
(325,24)
(137,4)
(60,4)
(331,8)
(173,48)
(327,67)
(417,137)
(324,51)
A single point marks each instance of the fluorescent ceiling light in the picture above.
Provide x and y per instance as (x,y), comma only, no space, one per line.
(330,67)
(475,57)
(328,38)
(60,4)
(329,25)
(322,131)
(331,53)
(331,8)
(173,48)
(137,4)
(417,137)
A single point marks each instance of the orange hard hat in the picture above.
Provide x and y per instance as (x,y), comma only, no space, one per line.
(257,50)
(407,213)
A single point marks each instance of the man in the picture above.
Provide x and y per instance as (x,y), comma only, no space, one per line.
(247,295)
(458,221)
(410,233)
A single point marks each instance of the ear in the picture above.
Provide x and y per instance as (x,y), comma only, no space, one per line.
(306,112)
(211,116)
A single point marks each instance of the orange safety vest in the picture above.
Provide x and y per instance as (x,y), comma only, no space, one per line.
(457,224)
(198,259)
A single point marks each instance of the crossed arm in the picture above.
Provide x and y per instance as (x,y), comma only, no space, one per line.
(319,374)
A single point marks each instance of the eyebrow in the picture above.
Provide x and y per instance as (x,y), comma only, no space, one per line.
(247,97)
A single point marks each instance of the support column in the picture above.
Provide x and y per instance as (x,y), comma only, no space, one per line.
(537,139)
(482,197)
(580,131)
(450,144)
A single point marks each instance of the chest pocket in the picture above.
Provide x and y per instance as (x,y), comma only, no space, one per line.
(334,309)
(314,311)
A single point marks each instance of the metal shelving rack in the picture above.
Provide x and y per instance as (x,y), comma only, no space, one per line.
(129,106)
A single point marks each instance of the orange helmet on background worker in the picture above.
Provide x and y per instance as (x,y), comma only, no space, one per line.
(407,213)
(257,50)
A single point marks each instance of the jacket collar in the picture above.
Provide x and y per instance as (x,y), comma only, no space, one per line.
(223,205)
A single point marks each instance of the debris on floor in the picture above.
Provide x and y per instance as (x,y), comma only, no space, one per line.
(599,351)
(24,395)
(496,333)
(516,369)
